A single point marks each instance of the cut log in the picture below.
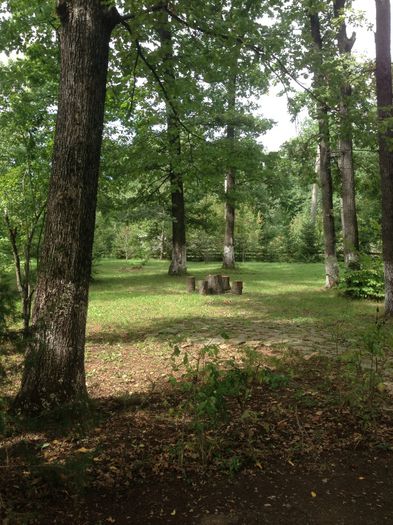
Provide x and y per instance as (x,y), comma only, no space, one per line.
(225,283)
(190,284)
(203,288)
(237,287)
(215,284)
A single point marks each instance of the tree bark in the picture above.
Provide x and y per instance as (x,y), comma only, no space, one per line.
(230,178)
(350,223)
(178,264)
(331,266)
(314,201)
(54,367)
(383,74)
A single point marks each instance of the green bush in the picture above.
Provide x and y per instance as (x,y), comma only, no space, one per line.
(364,282)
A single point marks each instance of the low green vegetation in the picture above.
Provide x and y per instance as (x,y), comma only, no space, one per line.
(129,302)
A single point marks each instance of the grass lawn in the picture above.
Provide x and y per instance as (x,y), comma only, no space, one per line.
(270,407)
(129,305)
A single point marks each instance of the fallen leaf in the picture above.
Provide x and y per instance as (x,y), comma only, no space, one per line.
(313,494)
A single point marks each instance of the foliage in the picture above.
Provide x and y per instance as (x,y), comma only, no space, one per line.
(364,371)
(7,305)
(208,384)
(366,281)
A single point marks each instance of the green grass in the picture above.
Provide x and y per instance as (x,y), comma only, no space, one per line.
(130,305)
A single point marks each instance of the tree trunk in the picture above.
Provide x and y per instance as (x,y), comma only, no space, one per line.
(350,223)
(54,368)
(229,236)
(23,277)
(230,178)
(331,266)
(383,75)
(178,264)
(314,202)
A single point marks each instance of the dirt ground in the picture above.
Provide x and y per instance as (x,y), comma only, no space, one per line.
(297,453)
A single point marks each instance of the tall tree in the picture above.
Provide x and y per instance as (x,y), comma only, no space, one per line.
(230,177)
(54,366)
(178,264)
(346,166)
(383,74)
(331,266)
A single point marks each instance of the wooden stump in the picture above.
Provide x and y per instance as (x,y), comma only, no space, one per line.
(203,288)
(225,283)
(215,284)
(237,287)
(190,284)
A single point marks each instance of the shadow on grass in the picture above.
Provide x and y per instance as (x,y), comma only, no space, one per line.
(295,313)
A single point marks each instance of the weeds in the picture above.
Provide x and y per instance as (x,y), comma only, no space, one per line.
(364,370)
(211,388)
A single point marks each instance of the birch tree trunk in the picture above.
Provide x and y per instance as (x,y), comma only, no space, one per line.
(54,371)
(383,75)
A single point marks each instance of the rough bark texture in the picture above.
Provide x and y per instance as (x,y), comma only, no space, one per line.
(383,75)
(230,178)
(226,283)
(230,212)
(215,284)
(331,266)
(54,369)
(191,284)
(204,287)
(314,201)
(237,287)
(349,215)
(178,264)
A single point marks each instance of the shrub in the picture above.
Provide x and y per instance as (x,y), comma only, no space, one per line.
(364,282)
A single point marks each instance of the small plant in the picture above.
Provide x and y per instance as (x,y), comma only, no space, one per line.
(209,386)
(365,281)
(364,370)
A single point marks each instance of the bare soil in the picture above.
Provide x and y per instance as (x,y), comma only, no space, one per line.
(302,452)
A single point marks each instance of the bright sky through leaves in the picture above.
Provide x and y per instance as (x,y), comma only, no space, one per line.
(276,108)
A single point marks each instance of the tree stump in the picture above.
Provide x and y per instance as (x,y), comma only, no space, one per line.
(190,284)
(225,283)
(203,287)
(237,287)
(215,284)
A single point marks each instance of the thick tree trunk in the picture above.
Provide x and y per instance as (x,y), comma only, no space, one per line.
(54,369)
(383,75)
(349,215)
(331,266)
(178,264)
